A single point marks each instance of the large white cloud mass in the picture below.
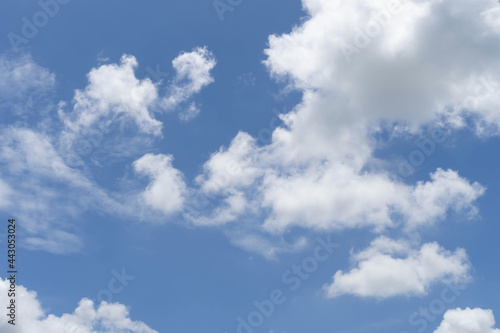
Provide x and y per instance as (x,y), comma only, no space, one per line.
(364,67)
(87,317)
(468,321)
(399,60)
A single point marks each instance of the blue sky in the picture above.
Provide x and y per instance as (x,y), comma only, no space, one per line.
(188,166)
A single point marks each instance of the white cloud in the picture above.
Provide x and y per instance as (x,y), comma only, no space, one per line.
(389,268)
(192,74)
(330,195)
(167,189)
(87,318)
(405,64)
(468,321)
(231,168)
(113,92)
(446,190)
(337,198)
(116,103)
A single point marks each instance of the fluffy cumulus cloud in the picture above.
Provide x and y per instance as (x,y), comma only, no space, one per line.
(328,195)
(435,57)
(363,68)
(335,199)
(116,100)
(193,73)
(390,268)
(87,317)
(167,189)
(114,91)
(234,167)
(468,321)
